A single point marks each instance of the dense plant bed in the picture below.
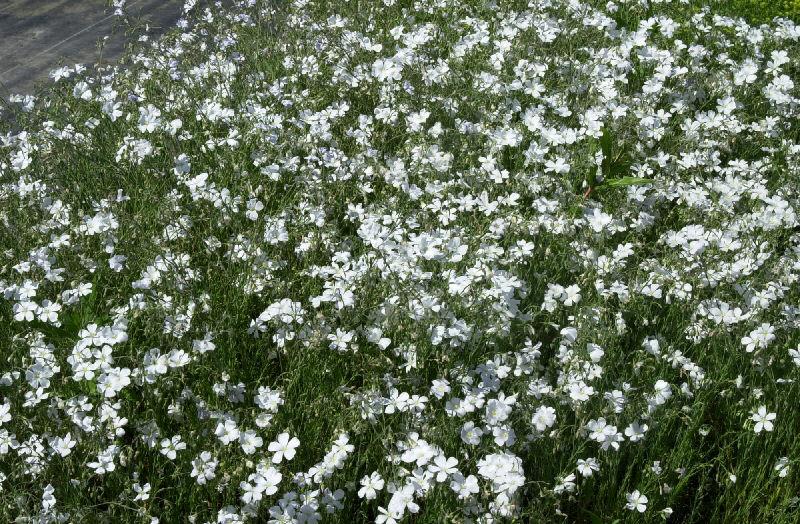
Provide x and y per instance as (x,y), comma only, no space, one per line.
(432,261)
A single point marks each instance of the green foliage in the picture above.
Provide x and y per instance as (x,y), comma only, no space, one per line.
(762,11)
(529,255)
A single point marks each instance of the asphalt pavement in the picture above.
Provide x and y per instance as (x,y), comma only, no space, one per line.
(37,36)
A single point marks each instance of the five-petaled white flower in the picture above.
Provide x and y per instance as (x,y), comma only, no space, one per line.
(762,419)
(283,447)
(636,501)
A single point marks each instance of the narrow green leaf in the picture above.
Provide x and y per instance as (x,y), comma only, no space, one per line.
(626,181)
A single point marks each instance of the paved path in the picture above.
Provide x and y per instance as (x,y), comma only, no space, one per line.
(36,36)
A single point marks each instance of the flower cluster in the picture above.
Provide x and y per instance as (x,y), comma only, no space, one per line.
(430,259)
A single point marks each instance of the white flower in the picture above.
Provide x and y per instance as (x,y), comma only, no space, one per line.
(283,447)
(663,392)
(270,480)
(113,380)
(443,467)
(762,419)
(170,447)
(565,484)
(227,431)
(48,312)
(440,388)
(105,461)
(403,499)
(63,446)
(149,118)
(795,355)
(759,338)
(386,516)
(5,412)
(504,470)
(370,485)
(782,466)
(604,433)
(250,441)
(251,493)
(471,434)
(386,69)
(204,467)
(340,339)
(636,501)
(117,262)
(465,487)
(580,391)
(724,314)
(598,220)
(498,410)
(588,467)
(142,492)
(543,418)
(25,311)
(635,431)
(48,499)
(559,166)
(82,91)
